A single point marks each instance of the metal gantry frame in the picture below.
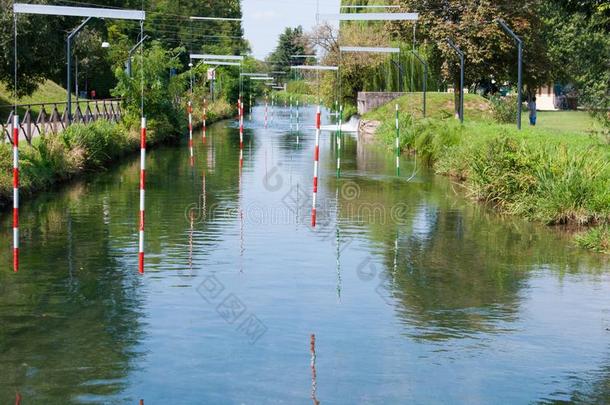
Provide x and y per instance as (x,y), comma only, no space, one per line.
(370,16)
(88,13)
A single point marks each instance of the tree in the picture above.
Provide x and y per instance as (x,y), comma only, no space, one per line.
(472,24)
(291,42)
(578,34)
(39,40)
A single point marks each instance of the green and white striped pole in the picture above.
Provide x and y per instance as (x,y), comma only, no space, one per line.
(397,144)
(339,136)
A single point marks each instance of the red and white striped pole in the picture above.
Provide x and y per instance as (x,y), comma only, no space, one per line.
(190,107)
(205,117)
(142,192)
(16,193)
(316,159)
(266,110)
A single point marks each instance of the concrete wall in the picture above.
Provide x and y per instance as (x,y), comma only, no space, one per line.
(368,100)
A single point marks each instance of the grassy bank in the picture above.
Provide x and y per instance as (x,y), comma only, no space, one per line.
(80,149)
(47,92)
(556,177)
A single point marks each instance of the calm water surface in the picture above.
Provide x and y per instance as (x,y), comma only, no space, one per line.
(414,295)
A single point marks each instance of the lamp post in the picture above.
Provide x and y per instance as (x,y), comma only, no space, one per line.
(519,67)
(425,81)
(461,55)
(131,51)
(69,78)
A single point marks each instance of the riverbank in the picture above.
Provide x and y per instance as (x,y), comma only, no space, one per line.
(81,149)
(556,177)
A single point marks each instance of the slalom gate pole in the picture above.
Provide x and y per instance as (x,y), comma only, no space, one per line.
(397,144)
(142,192)
(316,159)
(339,139)
(192,156)
(15,192)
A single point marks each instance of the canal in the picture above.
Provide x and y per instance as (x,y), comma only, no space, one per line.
(412,293)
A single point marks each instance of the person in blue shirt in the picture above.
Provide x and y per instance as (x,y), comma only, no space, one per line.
(531,105)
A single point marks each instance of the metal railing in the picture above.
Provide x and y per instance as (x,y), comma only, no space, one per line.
(51,118)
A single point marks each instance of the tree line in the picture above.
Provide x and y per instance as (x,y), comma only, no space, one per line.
(41,44)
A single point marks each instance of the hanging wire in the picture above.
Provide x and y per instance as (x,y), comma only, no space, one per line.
(142,64)
(15,61)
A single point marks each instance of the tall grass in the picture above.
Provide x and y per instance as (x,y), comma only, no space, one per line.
(53,158)
(540,175)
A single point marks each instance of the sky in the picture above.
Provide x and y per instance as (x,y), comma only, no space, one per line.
(265,20)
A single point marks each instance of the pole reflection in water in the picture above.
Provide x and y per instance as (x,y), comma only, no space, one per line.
(203,197)
(241,220)
(338,242)
(314,379)
(395,268)
(191,230)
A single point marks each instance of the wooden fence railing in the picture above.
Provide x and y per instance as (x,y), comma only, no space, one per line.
(51,118)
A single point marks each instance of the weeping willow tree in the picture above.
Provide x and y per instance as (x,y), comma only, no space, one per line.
(369,71)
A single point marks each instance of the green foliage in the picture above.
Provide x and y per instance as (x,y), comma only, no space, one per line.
(349,110)
(490,52)
(161,91)
(99,142)
(291,42)
(596,239)
(53,158)
(504,109)
(548,176)
(578,34)
(299,87)
(37,35)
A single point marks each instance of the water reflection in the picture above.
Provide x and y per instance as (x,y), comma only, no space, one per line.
(72,316)
(420,296)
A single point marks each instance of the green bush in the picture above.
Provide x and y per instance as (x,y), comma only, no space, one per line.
(100,142)
(504,109)
(162,92)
